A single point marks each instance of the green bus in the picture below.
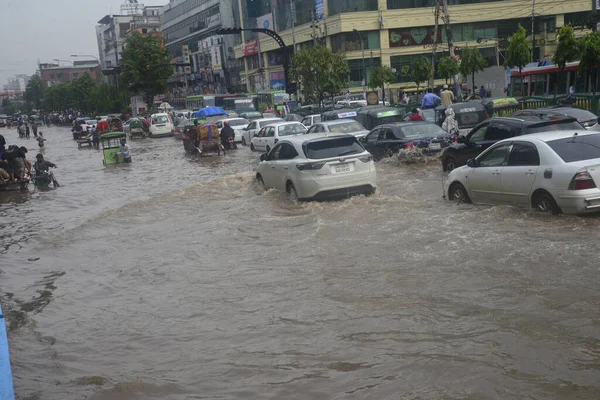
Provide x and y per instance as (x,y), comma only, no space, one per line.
(193,103)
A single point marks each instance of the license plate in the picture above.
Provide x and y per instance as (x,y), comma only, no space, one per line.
(342,168)
(160,125)
(435,146)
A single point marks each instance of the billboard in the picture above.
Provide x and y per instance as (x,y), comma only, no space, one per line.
(277,80)
(250,47)
(215,56)
(265,22)
(319,9)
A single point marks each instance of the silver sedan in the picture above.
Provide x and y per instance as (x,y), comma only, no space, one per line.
(553,172)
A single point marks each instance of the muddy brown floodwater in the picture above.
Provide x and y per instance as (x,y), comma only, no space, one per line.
(173,278)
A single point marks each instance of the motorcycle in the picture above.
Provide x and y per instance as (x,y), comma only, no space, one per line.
(229,144)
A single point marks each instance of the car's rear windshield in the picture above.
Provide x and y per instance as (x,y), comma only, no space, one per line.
(422,130)
(238,122)
(346,127)
(332,147)
(581,115)
(265,123)
(577,148)
(551,126)
(316,119)
(291,129)
(159,119)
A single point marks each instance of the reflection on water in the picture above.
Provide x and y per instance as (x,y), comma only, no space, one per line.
(177,278)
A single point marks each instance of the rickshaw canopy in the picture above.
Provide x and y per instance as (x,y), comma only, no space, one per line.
(501,106)
(467,114)
(372,116)
(351,113)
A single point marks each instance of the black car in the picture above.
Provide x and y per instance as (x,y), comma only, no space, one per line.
(495,129)
(386,140)
(585,117)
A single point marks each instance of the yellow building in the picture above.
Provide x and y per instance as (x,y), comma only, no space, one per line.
(394,32)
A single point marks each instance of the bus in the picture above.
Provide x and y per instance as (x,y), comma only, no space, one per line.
(544,79)
(272,99)
(194,102)
(238,104)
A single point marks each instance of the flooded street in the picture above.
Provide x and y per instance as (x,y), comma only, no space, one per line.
(174,278)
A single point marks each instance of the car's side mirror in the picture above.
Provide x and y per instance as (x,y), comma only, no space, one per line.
(362,139)
(256,135)
(263,156)
(471,162)
(245,128)
(462,139)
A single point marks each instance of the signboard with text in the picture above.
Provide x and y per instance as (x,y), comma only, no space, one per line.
(250,47)
(319,9)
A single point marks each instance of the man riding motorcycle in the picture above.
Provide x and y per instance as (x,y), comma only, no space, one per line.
(227,136)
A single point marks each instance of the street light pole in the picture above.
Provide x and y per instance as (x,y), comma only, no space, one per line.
(362,48)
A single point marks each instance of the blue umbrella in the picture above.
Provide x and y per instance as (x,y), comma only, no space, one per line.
(210,112)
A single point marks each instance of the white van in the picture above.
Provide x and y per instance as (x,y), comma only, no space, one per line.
(161,125)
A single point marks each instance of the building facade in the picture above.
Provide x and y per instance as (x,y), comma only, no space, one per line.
(189,29)
(113,30)
(395,32)
(53,74)
(17,83)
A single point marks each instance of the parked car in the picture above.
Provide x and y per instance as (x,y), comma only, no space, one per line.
(495,129)
(586,118)
(293,117)
(553,172)
(317,167)
(161,125)
(309,120)
(387,140)
(270,134)
(348,126)
(237,124)
(254,127)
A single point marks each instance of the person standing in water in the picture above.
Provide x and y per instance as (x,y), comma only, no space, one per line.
(41,139)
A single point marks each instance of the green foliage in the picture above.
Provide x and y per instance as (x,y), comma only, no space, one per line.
(590,56)
(447,68)
(519,52)
(567,49)
(80,91)
(471,61)
(380,76)
(8,107)
(421,70)
(107,99)
(319,72)
(146,66)
(34,93)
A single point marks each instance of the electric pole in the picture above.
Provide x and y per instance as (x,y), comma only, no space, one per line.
(434,50)
(450,41)
(532,29)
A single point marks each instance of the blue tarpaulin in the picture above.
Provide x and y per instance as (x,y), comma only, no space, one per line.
(210,112)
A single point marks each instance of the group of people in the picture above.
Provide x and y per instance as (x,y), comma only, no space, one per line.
(24,131)
(14,164)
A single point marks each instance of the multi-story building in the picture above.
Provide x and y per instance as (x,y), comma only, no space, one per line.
(17,83)
(52,74)
(112,31)
(394,32)
(189,26)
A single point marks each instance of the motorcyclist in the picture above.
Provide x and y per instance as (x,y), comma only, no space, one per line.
(226,133)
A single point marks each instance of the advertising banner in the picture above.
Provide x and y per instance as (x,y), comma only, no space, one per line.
(277,80)
(250,48)
(215,56)
(265,22)
(319,9)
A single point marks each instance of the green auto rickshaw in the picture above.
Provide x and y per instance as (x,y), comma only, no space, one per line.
(372,116)
(111,148)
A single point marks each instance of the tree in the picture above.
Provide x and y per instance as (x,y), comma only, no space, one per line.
(519,53)
(380,76)
(590,56)
(80,90)
(8,107)
(319,72)
(448,67)
(421,70)
(146,66)
(471,61)
(567,49)
(34,93)
(106,99)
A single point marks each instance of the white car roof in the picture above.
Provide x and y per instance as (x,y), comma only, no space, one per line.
(267,119)
(157,114)
(300,139)
(232,119)
(552,135)
(337,121)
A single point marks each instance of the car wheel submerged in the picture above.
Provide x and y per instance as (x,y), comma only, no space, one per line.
(260,181)
(291,192)
(543,202)
(449,164)
(458,193)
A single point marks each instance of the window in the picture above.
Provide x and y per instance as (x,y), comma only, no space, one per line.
(350,41)
(388,134)
(495,157)
(262,132)
(523,154)
(577,148)
(160,119)
(372,138)
(306,122)
(292,129)
(346,127)
(274,154)
(312,129)
(288,152)
(51,76)
(422,130)
(332,147)
(479,134)
(395,4)
(265,123)
(499,131)
(252,125)
(548,126)
(75,74)
(238,122)
(270,131)
(344,6)
(59,76)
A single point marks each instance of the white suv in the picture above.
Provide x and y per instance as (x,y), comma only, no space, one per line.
(161,125)
(318,167)
(270,134)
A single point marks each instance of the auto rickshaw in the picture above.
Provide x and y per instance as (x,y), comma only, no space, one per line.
(136,129)
(116,125)
(202,139)
(467,115)
(501,107)
(251,115)
(111,143)
(348,113)
(372,116)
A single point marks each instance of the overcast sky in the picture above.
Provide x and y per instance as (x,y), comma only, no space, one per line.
(44,30)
